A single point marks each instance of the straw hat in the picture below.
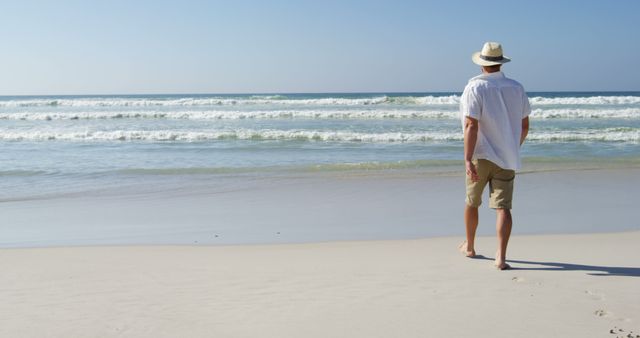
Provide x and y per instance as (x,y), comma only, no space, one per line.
(490,55)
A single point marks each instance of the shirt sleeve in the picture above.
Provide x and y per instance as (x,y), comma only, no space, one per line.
(526,106)
(470,105)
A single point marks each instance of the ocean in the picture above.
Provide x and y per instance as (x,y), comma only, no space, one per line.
(58,145)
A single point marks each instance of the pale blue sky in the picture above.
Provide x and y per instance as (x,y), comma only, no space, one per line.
(109,47)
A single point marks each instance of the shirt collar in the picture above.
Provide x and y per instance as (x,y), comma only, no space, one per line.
(494,75)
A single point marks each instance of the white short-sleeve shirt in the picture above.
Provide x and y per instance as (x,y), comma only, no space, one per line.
(499,104)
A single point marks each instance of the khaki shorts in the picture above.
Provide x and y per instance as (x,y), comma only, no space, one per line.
(500,185)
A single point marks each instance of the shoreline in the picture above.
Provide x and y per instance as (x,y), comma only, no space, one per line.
(336,206)
(460,238)
(338,254)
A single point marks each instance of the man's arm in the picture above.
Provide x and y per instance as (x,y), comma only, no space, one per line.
(470,138)
(525,129)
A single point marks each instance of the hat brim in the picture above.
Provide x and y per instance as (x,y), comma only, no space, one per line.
(481,62)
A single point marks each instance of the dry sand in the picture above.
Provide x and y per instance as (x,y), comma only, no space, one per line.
(561,286)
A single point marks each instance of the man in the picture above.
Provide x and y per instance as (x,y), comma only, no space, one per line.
(495,118)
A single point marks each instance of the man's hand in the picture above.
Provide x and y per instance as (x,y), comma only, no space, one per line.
(471,171)
(470,138)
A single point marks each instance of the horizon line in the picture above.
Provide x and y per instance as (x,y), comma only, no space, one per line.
(306,93)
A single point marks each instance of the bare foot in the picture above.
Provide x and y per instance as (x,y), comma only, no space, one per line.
(464,248)
(503,266)
(501,263)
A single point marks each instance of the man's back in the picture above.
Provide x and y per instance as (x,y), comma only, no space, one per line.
(495,123)
(499,104)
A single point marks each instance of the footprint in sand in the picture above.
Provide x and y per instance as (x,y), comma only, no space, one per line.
(518,279)
(602,313)
(594,295)
(623,333)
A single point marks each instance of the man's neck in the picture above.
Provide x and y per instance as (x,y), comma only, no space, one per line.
(484,71)
(491,69)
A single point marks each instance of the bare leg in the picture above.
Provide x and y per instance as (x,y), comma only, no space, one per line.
(503,229)
(471,223)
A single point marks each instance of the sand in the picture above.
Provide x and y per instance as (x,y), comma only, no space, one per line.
(323,255)
(317,208)
(579,285)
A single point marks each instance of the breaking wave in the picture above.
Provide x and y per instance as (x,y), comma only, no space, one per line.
(239,134)
(189,102)
(591,100)
(627,113)
(284,100)
(591,135)
(231,101)
(234,115)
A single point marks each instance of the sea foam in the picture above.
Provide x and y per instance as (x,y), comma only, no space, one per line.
(237,134)
(278,100)
(608,135)
(231,101)
(591,100)
(234,115)
(353,114)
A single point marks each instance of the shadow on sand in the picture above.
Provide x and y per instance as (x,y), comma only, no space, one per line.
(593,270)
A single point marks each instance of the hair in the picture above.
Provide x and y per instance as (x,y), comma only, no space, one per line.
(492,69)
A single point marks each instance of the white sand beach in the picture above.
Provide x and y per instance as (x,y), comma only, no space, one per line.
(561,286)
(323,255)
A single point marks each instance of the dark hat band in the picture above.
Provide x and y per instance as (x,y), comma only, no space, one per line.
(491,58)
